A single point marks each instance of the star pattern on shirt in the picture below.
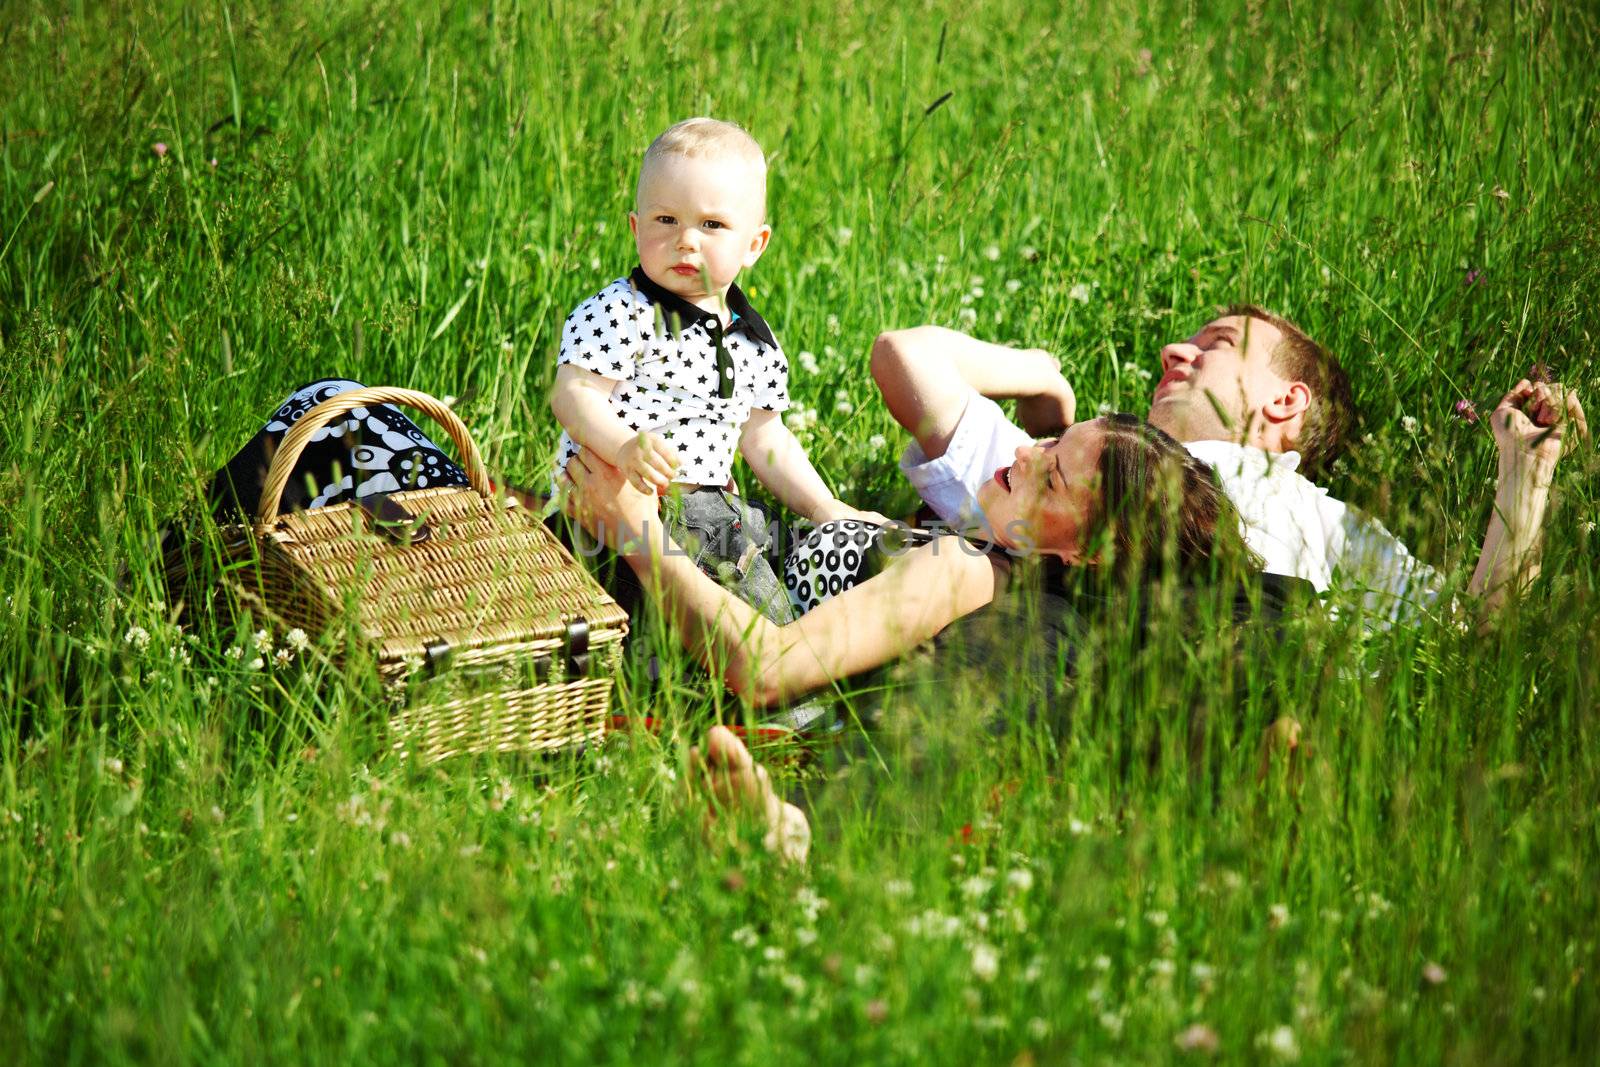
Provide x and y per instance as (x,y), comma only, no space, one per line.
(667,379)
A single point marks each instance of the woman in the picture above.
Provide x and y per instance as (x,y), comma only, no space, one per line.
(1112,493)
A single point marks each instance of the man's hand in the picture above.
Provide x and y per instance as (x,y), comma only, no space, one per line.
(649,463)
(1054,408)
(606,502)
(1531,421)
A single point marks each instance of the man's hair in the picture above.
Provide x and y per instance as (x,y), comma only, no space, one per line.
(703,138)
(1331,415)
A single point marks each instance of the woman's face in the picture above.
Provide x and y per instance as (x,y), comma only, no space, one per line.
(1047,498)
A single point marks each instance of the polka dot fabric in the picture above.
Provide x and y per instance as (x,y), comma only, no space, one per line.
(836,556)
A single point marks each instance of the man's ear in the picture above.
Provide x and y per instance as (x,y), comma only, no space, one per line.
(758,245)
(1292,401)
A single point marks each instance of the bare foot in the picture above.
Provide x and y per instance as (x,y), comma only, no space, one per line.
(736,781)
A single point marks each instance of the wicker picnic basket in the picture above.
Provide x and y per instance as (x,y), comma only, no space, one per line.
(487,633)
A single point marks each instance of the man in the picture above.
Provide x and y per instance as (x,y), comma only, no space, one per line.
(1253,396)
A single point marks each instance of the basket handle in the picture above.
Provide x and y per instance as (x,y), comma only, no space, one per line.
(295,441)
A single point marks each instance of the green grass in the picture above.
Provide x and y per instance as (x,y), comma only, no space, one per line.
(203,862)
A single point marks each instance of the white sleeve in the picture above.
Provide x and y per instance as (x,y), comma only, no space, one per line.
(1394,584)
(984,441)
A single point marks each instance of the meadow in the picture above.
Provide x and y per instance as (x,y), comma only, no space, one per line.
(203,206)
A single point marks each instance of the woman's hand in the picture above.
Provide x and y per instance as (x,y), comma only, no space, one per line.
(600,497)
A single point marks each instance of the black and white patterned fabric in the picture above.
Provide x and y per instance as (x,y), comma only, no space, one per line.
(679,373)
(367,451)
(841,554)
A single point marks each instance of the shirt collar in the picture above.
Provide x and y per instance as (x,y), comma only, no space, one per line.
(1217,453)
(688,314)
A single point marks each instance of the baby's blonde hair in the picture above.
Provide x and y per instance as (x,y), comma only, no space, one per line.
(706,138)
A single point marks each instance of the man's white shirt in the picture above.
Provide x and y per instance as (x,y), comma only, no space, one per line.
(1298,529)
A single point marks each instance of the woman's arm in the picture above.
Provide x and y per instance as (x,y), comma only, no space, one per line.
(925,373)
(914,598)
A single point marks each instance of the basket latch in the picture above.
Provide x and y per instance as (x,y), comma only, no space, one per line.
(575,648)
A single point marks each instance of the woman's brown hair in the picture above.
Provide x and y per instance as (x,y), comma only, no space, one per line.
(1162,510)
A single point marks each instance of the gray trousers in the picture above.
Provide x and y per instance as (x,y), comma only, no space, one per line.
(728,538)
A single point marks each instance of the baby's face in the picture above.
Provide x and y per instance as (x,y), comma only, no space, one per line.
(699,223)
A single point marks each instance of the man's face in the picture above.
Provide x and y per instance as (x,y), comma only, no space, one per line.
(699,221)
(1214,385)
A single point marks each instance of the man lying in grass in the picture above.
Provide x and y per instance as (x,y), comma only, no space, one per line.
(1256,399)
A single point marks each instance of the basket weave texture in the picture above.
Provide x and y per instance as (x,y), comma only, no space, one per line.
(491,637)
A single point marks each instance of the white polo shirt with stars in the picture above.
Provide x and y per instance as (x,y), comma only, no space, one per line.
(678,372)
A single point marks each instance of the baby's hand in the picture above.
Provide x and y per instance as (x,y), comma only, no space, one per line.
(649,462)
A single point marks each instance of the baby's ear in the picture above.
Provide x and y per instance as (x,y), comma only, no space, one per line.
(633,223)
(758,245)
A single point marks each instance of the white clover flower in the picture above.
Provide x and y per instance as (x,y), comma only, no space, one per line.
(1202,972)
(262,640)
(808,362)
(256,664)
(1163,967)
(1156,917)
(235,653)
(897,887)
(1101,963)
(811,903)
(844,407)
(1278,916)
(216,813)
(772,954)
(968,315)
(745,937)
(985,962)
(1038,1029)
(1280,1041)
(1012,285)
(877,442)
(991,252)
(977,290)
(138,637)
(976,886)
(400,839)
(507,345)
(111,765)
(833,327)
(1587,526)
(1197,1038)
(1020,879)
(1080,292)
(1028,252)
(297,640)
(1409,424)
(805,937)
(1075,826)
(282,657)
(600,226)
(1111,1022)
(844,233)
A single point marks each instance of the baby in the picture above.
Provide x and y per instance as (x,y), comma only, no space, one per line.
(666,372)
